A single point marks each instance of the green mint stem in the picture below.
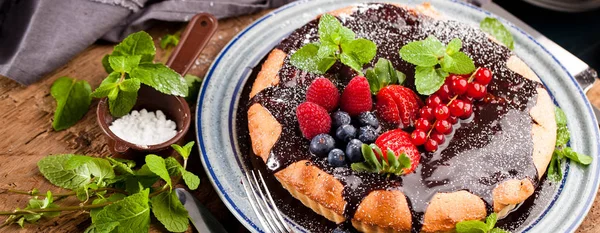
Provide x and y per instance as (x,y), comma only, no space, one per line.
(43,194)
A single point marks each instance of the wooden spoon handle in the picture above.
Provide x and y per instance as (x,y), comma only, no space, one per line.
(193,40)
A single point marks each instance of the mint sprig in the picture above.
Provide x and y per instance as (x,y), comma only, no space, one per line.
(336,43)
(383,74)
(496,29)
(561,150)
(121,196)
(131,64)
(476,226)
(389,164)
(427,54)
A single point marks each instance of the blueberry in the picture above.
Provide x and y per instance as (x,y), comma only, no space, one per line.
(368,118)
(321,144)
(345,133)
(353,151)
(336,158)
(367,134)
(340,118)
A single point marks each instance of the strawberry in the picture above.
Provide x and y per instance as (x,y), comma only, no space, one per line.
(399,142)
(324,93)
(356,98)
(387,108)
(313,119)
(407,103)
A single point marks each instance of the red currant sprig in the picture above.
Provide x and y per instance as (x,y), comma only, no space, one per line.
(458,92)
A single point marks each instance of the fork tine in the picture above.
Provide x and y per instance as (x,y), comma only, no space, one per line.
(247,183)
(281,220)
(275,221)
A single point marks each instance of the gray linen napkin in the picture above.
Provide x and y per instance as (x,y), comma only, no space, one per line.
(38,36)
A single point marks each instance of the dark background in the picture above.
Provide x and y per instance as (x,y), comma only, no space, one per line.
(577,32)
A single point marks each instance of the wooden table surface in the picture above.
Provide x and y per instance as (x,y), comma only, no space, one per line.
(27,135)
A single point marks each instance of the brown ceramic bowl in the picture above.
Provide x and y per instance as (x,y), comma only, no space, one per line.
(175,108)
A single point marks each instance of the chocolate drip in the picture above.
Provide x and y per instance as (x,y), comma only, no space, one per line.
(494,145)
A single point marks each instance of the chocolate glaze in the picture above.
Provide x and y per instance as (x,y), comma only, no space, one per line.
(492,146)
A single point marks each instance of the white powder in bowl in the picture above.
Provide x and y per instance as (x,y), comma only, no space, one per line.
(144,128)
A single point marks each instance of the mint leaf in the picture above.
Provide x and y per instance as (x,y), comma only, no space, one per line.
(473,226)
(191,180)
(193,82)
(185,150)
(72,101)
(35,203)
(139,43)
(53,168)
(132,214)
(306,59)
(121,167)
(161,78)
(362,50)
(107,85)
(173,167)
(351,61)
(560,116)
(498,230)
(106,64)
(120,103)
(457,63)
(453,46)
(331,30)
(169,40)
(496,29)
(423,53)
(327,49)
(100,169)
(562,136)
(491,220)
(428,80)
(554,172)
(130,85)
(124,63)
(170,212)
(157,165)
(567,152)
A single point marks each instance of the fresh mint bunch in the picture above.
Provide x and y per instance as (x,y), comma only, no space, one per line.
(430,53)
(392,165)
(383,74)
(112,185)
(72,101)
(476,226)
(336,43)
(496,29)
(130,65)
(562,151)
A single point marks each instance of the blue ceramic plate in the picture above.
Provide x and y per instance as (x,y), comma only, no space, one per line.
(568,203)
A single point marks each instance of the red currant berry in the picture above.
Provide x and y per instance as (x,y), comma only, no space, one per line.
(423,124)
(433,101)
(427,113)
(453,120)
(459,86)
(418,137)
(441,112)
(476,90)
(457,107)
(437,137)
(483,76)
(443,126)
(444,92)
(468,110)
(431,145)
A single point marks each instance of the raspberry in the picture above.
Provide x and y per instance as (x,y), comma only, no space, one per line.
(313,119)
(356,98)
(399,142)
(324,93)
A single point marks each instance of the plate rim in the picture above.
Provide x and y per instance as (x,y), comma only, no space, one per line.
(244,220)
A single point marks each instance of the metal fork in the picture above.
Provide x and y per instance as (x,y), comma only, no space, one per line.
(262,203)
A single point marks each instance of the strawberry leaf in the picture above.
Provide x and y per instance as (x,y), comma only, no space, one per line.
(383,74)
